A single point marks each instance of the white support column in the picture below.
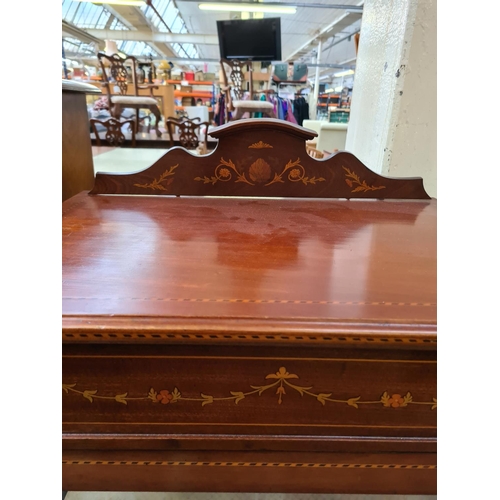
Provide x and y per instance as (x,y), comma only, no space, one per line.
(314,106)
(392,128)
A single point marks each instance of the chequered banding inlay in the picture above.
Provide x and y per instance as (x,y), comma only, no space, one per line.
(226,336)
(249,464)
(262,301)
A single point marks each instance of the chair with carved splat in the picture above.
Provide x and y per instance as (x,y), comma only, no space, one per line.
(233,79)
(122,94)
(114,135)
(189,132)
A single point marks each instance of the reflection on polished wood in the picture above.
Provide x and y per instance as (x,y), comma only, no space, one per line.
(204,258)
(249,343)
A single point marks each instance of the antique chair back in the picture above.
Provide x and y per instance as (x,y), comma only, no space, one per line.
(233,79)
(189,132)
(122,93)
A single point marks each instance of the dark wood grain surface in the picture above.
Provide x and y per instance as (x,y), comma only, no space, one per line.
(249,344)
(288,261)
(260,157)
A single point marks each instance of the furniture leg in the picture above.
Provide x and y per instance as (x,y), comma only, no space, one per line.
(136,120)
(116,111)
(238,114)
(96,133)
(157,113)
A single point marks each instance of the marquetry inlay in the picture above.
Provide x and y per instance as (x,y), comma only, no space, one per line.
(281,381)
(157,184)
(249,464)
(318,338)
(353,181)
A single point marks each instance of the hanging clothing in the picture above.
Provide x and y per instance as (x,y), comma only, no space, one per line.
(289,114)
(259,114)
(300,110)
(221,115)
(283,109)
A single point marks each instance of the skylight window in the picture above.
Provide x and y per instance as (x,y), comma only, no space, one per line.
(166,9)
(138,49)
(88,15)
(75,47)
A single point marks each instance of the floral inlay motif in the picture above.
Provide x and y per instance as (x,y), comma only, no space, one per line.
(157,184)
(260,145)
(224,174)
(280,380)
(297,174)
(353,181)
(259,172)
(396,400)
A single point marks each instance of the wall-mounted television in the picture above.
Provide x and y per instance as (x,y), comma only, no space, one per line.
(255,39)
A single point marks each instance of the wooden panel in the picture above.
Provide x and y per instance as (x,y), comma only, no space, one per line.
(188,418)
(77,163)
(260,157)
(166,390)
(387,474)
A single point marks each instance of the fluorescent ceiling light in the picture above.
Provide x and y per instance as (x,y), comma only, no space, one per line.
(247,7)
(344,73)
(134,3)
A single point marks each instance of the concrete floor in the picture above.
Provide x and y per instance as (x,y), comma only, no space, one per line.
(126,159)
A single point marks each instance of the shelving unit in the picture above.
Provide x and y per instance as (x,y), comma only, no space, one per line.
(339,115)
(207,96)
(325,101)
(261,80)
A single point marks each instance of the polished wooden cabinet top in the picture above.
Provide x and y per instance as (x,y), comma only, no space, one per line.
(280,266)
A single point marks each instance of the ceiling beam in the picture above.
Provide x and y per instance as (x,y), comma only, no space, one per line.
(327,32)
(131,17)
(149,36)
(162,49)
(72,31)
(351,8)
(335,42)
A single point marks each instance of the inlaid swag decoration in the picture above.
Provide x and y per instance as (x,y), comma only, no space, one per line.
(281,381)
(259,157)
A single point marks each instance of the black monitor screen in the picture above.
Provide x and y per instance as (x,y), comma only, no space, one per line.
(256,39)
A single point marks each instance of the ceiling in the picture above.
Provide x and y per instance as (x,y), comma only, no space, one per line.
(179,31)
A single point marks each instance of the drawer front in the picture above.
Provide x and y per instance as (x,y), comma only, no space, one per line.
(250,391)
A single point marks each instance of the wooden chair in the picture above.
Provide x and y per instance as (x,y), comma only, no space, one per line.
(116,76)
(189,133)
(114,135)
(314,153)
(233,80)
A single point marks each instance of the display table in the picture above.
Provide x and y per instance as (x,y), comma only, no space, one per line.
(252,343)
